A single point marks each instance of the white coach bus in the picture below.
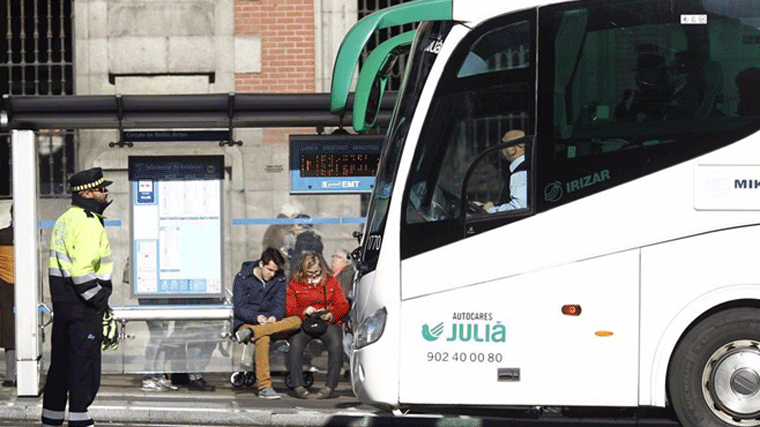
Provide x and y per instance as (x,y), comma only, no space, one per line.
(629,274)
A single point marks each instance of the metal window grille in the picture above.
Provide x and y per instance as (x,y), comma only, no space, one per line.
(36,59)
(510,59)
(367,7)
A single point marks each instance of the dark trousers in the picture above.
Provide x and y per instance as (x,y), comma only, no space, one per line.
(74,373)
(333,339)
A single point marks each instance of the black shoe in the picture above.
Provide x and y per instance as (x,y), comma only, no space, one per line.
(180,378)
(9,383)
(200,385)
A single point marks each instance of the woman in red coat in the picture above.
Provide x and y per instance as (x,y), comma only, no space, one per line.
(315,293)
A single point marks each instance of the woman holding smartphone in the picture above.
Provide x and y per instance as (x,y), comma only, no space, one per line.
(313,293)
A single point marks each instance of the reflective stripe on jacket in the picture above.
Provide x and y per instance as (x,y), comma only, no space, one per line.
(80,264)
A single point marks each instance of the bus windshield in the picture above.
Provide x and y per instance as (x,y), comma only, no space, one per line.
(430,36)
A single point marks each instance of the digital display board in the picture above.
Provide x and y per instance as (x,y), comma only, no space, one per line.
(334,163)
(176,226)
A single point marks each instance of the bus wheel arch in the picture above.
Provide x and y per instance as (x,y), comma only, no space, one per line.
(713,376)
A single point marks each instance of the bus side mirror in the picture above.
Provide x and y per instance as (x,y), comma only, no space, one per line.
(356,257)
(373,102)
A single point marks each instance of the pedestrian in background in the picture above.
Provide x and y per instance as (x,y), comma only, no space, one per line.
(343,270)
(307,240)
(80,271)
(7,304)
(197,344)
(276,234)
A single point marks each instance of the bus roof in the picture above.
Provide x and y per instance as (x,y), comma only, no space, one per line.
(474,11)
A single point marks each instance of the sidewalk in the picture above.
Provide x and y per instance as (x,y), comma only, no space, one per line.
(120,400)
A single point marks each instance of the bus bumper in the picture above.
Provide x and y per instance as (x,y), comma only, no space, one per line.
(376,387)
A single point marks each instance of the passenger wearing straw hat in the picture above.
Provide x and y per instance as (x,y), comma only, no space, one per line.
(80,270)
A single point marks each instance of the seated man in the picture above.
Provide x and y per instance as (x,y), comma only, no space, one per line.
(258,298)
(515,195)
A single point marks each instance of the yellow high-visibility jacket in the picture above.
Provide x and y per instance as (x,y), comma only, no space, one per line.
(80,265)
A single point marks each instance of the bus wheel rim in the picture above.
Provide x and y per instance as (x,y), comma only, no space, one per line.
(731,383)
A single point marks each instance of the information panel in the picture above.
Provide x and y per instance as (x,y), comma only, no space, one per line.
(176,226)
(334,163)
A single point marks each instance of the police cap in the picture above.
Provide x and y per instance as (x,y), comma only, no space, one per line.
(87,179)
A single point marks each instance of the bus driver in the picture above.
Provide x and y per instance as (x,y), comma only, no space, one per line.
(515,195)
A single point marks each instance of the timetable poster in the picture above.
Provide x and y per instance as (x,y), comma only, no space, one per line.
(176,226)
(334,163)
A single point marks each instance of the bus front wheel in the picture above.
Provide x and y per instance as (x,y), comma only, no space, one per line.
(714,375)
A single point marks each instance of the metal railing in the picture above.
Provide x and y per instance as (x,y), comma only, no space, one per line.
(36,58)
(366,7)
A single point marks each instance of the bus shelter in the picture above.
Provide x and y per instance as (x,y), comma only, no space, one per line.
(26,116)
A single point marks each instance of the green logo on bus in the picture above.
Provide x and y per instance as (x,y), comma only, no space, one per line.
(464,332)
(432,334)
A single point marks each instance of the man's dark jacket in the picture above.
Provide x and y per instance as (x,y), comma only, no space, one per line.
(251,297)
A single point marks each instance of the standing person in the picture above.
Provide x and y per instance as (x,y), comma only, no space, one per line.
(307,240)
(198,348)
(314,292)
(343,270)
(158,331)
(276,234)
(515,194)
(154,378)
(258,298)
(80,270)
(7,302)
(190,346)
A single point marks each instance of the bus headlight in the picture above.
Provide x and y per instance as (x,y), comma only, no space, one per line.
(371,329)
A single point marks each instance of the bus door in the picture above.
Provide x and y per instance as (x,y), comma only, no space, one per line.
(493,297)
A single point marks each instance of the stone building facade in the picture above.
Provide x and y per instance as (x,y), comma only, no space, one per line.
(210,46)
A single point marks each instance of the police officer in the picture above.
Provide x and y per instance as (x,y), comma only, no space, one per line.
(80,283)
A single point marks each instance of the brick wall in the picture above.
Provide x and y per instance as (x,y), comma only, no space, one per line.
(286,29)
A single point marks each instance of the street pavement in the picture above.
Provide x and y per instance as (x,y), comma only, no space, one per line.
(121,403)
(120,400)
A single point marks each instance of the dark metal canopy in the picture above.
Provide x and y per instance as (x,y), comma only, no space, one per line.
(177,111)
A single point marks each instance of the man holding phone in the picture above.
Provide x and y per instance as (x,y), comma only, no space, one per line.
(258,299)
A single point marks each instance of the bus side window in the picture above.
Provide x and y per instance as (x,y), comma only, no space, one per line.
(486,89)
(636,93)
(506,48)
(748,87)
